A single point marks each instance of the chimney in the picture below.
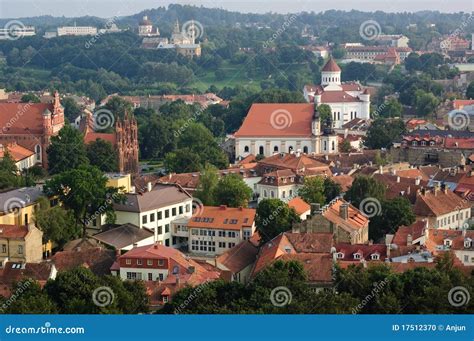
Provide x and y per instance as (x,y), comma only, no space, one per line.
(409,240)
(298,152)
(344,211)
(149,186)
(398,179)
(388,251)
(315,208)
(135,245)
(222,207)
(417,181)
(444,188)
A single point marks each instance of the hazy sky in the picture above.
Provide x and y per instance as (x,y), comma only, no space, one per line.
(110,8)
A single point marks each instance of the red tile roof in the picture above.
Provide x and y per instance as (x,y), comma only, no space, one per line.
(97,259)
(331,66)
(460,103)
(31,117)
(416,230)
(91,136)
(16,151)
(223,217)
(438,202)
(263,119)
(239,257)
(355,221)
(365,251)
(299,205)
(13,231)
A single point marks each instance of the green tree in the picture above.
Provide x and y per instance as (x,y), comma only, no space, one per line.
(103,155)
(66,151)
(85,192)
(325,112)
(208,182)
(29,98)
(58,224)
(233,191)
(383,132)
(345,146)
(8,172)
(470,91)
(182,161)
(365,187)
(313,190)
(331,189)
(391,108)
(30,299)
(425,102)
(71,109)
(394,213)
(274,217)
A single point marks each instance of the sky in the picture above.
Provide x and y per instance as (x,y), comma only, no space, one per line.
(111,8)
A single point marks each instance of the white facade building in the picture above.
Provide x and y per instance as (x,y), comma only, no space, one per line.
(77,31)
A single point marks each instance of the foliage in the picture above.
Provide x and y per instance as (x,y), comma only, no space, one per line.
(391,108)
(8,172)
(331,189)
(325,112)
(30,299)
(365,187)
(470,91)
(313,190)
(345,146)
(71,109)
(208,182)
(103,155)
(274,217)
(29,98)
(382,133)
(232,191)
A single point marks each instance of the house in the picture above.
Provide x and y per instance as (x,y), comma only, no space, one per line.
(238,261)
(98,259)
(164,269)
(459,242)
(17,206)
(340,218)
(215,229)
(361,252)
(156,208)
(20,244)
(121,181)
(302,208)
(31,125)
(442,208)
(125,237)
(313,250)
(413,234)
(23,157)
(14,272)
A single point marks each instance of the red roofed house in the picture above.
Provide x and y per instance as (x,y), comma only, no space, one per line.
(21,244)
(23,157)
(238,261)
(214,230)
(460,242)
(124,139)
(31,125)
(302,208)
(167,268)
(347,100)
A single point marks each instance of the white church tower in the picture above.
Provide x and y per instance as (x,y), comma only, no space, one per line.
(331,76)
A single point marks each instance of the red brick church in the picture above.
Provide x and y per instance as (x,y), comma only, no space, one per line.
(124,139)
(31,125)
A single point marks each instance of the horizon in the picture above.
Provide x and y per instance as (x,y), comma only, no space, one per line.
(102,8)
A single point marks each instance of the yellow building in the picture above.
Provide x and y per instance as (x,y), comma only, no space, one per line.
(20,244)
(122,181)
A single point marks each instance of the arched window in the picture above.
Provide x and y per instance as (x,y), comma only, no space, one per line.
(290,149)
(305,149)
(246,149)
(38,152)
(264,193)
(260,150)
(275,149)
(272,193)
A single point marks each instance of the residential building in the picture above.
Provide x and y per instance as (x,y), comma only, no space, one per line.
(125,237)
(216,229)
(121,181)
(301,207)
(17,206)
(156,209)
(10,33)
(76,31)
(21,244)
(394,40)
(442,208)
(369,53)
(347,100)
(23,158)
(31,125)
(344,221)
(14,272)
(459,242)
(238,261)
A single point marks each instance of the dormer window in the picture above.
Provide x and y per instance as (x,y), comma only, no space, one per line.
(423,143)
(432,143)
(413,143)
(340,255)
(467,243)
(356,255)
(448,242)
(375,256)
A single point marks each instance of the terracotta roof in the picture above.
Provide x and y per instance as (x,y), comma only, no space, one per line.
(416,230)
(438,202)
(185,180)
(123,235)
(31,117)
(436,238)
(97,259)
(294,162)
(299,205)
(16,151)
(263,119)
(318,267)
(14,272)
(248,159)
(460,103)
(345,181)
(355,221)
(331,66)
(13,231)
(364,250)
(338,97)
(239,257)
(91,136)
(223,217)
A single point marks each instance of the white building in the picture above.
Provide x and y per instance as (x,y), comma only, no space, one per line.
(77,31)
(16,32)
(347,100)
(145,28)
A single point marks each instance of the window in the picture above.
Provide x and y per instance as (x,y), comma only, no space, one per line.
(4,248)
(246,149)
(180,209)
(160,276)
(272,194)
(247,234)
(167,228)
(221,234)
(340,255)
(290,149)
(231,245)
(305,150)
(275,149)
(356,256)
(128,261)
(149,262)
(466,259)
(167,213)
(231,234)
(160,229)
(161,262)
(194,232)
(160,216)
(283,194)
(167,242)
(20,249)
(139,262)
(173,212)
(152,217)
(165,299)
(144,219)
(375,256)
(150,276)
(333,145)
(26,218)
(38,152)
(264,193)
(261,150)
(222,244)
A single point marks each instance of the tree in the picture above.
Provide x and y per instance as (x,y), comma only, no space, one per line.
(325,112)
(29,98)
(394,213)
(71,109)
(331,189)
(103,155)
(182,161)
(233,191)
(274,217)
(8,172)
(30,299)
(425,102)
(58,224)
(345,146)
(382,133)
(313,190)
(365,187)
(208,182)
(391,108)
(85,192)
(470,91)
(66,151)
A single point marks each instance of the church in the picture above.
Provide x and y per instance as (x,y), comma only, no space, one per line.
(348,100)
